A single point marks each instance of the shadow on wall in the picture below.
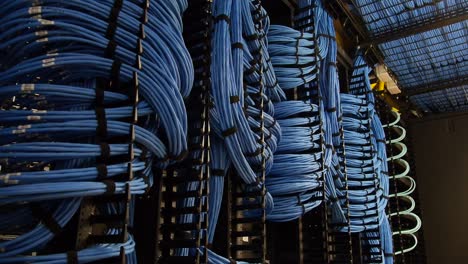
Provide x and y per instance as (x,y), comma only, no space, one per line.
(441,154)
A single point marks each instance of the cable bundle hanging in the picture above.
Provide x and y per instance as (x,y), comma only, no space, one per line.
(296,191)
(365,198)
(75,126)
(228,118)
(245,133)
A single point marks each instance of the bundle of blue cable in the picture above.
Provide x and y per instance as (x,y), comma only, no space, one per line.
(243,87)
(58,112)
(295,179)
(360,161)
(330,114)
(230,121)
(366,167)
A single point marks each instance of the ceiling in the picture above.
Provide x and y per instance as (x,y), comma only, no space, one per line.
(425,45)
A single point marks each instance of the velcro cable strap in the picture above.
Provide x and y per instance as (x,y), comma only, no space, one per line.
(110,49)
(217,172)
(251,37)
(237,45)
(101,129)
(105,151)
(326,36)
(113,16)
(222,17)
(102,171)
(257,152)
(229,132)
(234,99)
(110,187)
(115,73)
(46,218)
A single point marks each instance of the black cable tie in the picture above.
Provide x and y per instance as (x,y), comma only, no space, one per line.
(110,49)
(256,52)
(326,36)
(105,151)
(257,129)
(237,45)
(329,146)
(251,70)
(272,124)
(257,152)
(217,172)
(254,62)
(72,257)
(111,29)
(230,131)
(222,17)
(46,218)
(110,187)
(234,99)
(113,16)
(101,129)
(144,153)
(102,171)
(306,25)
(251,37)
(115,73)
(331,110)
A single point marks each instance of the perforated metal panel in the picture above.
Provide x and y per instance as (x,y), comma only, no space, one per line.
(453,99)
